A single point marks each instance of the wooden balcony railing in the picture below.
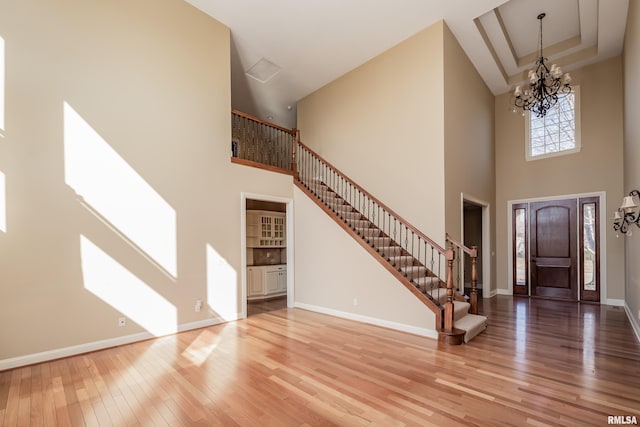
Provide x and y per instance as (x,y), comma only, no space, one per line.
(255,142)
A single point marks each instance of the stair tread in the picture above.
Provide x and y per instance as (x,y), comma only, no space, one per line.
(473,324)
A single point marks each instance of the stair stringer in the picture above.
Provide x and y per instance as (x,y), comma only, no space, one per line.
(433,306)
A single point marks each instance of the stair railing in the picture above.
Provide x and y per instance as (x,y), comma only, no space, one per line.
(312,170)
(472,253)
(255,142)
(258,143)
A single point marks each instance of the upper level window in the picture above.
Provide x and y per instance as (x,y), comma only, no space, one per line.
(556,133)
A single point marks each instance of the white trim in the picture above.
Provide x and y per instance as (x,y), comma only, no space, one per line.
(243,245)
(603,237)
(634,322)
(577,135)
(615,302)
(74,350)
(509,290)
(424,332)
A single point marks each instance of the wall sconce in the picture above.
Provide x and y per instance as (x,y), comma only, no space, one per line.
(627,214)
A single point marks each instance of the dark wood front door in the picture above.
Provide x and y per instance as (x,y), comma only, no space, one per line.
(553,249)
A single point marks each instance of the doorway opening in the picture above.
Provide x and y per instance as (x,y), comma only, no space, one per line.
(475,232)
(267,247)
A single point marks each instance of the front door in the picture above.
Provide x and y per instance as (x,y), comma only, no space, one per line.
(553,249)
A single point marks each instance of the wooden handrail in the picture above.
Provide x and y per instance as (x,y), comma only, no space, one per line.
(264,122)
(376,200)
(468,251)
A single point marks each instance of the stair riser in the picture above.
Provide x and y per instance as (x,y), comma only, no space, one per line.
(390,251)
(414,271)
(359,223)
(404,260)
(379,242)
(368,232)
(339,207)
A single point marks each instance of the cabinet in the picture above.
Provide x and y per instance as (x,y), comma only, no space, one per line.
(266,229)
(266,281)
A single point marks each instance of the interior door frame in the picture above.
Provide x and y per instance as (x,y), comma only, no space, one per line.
(486,242)
(243,245)
(603,239)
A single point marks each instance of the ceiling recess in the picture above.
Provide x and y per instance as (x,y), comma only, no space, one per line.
(263,70)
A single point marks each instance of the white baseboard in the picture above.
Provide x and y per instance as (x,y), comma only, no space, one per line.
(45,356)
(634,322)
(429,333)
(492,293)
(504,292)
(615,302)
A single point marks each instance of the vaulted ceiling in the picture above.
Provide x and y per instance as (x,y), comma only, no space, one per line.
(283,50)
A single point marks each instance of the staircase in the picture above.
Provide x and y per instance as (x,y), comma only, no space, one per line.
(420,264)
(420,277)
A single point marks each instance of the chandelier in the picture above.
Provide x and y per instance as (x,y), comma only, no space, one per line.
(545,84)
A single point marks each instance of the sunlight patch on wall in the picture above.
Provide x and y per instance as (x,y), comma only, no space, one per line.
(3,203)
(222,288)
(117,192)
(114,284)
(1,86)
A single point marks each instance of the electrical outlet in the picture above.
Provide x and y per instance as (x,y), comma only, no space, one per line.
(355,301)
(122,321)
(198,305)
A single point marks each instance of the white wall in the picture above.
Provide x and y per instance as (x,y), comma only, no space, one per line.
(632,156)
(120,196)
(332,269)
(596,168)
(382,125)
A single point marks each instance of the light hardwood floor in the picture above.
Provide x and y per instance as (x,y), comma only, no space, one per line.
(538,363)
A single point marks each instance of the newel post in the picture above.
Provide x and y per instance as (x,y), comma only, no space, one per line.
(473,300)
(294,164)
(448,306)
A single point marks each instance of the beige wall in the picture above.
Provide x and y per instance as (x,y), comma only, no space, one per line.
(332,270)
(153,83)
(596,168)
(468,135)
(382,125)
(632,154)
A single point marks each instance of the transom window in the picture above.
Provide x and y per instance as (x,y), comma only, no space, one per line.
(556,133)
